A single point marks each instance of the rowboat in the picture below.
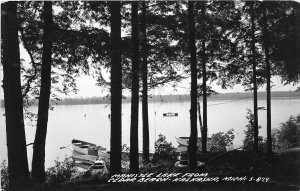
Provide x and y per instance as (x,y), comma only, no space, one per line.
(89,159)
(84,148)
(185,164)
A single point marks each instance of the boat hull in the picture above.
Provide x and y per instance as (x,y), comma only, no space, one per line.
(84,148)
(90,159)
(185,164)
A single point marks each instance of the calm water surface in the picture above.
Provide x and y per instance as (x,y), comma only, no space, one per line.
(91,123)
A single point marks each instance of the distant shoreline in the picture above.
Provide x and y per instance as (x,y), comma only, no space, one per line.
(178,98)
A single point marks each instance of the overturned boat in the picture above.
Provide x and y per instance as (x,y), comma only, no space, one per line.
(185,164)
(184,141)
(98,167)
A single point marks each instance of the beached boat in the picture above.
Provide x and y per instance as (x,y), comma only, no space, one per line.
(185,140)
(182,140)
(84,148)
(98,167)
(102,154)
(185,164)
(89,159)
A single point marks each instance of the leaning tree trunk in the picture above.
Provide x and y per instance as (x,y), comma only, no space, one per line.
(192,148)
(18,173)
(145,86)
(255,115)
(116,89)
(134,142)
(268,76)
(204,78)
(38,160)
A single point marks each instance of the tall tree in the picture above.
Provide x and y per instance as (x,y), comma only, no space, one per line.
(145,85)
(18,172)
(268,76)
(253,60)
(204,79)
(38,160)
(192,148)
(134,142)
(116,89)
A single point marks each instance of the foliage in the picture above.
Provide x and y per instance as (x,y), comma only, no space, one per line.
(165,153)
(62,171)
(4,175)
(221,142)
(288,135)
(249,132)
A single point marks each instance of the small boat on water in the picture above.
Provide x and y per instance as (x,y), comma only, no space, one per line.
(84,148)
(185,164)
(170,114)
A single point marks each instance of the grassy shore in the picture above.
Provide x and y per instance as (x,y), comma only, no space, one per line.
(282,171)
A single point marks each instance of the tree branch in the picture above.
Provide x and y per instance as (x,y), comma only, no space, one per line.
(34,64)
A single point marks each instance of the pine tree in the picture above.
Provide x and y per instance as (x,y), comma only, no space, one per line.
(134,142)
(116,89)
(18,172)
(192,148)
(38,160)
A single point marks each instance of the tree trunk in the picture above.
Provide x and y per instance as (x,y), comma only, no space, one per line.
(255,115)
(145,86)
(204,78)
(268,76)
(134,142)
(38,160)
(116,89)
(18,173)
(200,119)
(192,148)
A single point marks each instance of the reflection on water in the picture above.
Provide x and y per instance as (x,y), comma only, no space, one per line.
(92,123)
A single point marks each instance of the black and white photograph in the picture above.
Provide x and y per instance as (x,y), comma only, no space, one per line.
(150,95)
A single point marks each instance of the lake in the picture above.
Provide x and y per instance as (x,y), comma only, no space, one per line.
(91,123)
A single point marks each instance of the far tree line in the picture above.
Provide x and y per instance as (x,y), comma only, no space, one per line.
(143,45)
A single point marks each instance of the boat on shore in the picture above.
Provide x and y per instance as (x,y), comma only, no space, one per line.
(184,141)
(89,156)
(84,148)
(98,167)
(89,159)
(185,164)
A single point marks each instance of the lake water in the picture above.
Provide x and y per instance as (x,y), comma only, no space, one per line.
(91,123)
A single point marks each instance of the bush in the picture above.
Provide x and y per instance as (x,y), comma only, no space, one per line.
(165,153)
(61,172)
(288,135)
(4,175)
(249,138)
(221,142)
